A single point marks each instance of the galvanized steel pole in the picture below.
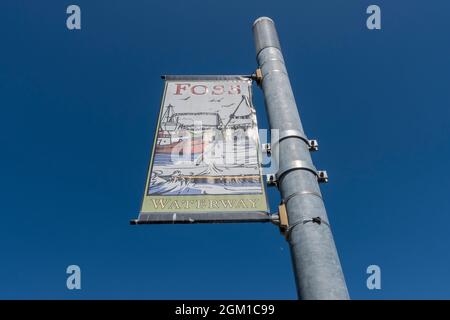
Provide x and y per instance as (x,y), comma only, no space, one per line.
(316,263)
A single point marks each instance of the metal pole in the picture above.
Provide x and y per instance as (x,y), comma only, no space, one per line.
(317,269)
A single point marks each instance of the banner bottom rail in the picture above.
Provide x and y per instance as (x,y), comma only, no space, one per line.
(168,219)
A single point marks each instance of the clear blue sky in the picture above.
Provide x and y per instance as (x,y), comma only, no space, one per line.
(78,113)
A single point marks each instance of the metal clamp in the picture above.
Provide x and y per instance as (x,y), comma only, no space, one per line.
(266,148)
(283,221)
(318,220)
(258,76)
(301,193)
(313,145)
(322,176)
(271,179)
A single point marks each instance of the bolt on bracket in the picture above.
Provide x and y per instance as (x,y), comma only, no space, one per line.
(322,176)
(313,145)
(271,179)
(283,218)
(266,148)
(258,76)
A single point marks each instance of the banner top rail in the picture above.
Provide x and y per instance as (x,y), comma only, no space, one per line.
(205,77)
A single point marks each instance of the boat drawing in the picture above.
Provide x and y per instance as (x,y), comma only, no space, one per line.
(215,156)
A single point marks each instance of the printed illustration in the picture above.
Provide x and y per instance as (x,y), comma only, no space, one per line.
(207,141)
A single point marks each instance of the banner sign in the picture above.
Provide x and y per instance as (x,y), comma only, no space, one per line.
(206,161)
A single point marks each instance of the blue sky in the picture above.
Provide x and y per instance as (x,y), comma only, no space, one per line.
(78,113)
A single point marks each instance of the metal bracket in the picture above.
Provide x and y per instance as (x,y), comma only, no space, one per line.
(322,176)
(313,145)
(271,179)
(283,218)
(266,148)
(258,76)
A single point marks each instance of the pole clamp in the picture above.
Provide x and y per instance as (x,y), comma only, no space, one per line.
(321,175)
(313,145)
(266,148)
(287,231)
(282,220)
(271,179)
(258,76)
(301,193)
